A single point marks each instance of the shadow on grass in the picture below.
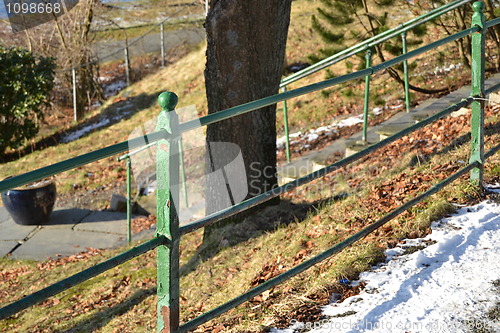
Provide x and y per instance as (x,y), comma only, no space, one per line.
(122,109)
(100,319)
(267,219)
(264,220)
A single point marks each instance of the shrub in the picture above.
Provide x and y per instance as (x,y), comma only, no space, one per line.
(26,81)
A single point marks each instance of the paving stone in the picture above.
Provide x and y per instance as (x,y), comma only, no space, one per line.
(66,217)
(6,247)
(4,214)
(10,230)
(297,169)
(50,242)
(101,221)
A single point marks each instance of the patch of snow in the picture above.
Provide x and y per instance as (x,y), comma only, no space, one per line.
(446,69)
(311,137)
(495,188)
(445,287)
(114,87)
(328,130)
(280,142)
(81,132)
(92,127)
(349,121)
(396,106)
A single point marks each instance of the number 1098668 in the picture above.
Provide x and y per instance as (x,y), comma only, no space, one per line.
(33,8)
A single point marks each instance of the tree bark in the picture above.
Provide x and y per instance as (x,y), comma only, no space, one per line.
(245,57)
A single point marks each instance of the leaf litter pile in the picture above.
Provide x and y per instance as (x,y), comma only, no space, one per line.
(382,197)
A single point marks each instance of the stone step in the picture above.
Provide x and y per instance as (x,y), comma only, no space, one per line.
(297,169)
(460,112)
(425,112)
(494,99)
(392,128)
(355,146)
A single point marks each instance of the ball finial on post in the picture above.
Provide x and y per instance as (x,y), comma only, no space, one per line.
(478,6)
(168,100)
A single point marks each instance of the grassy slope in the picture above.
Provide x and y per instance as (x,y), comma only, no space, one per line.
(186,79)
(123,299)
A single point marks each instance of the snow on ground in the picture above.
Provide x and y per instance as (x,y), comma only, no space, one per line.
(314,134)
(72,136)
(113,88)
(81,132)
(448,286)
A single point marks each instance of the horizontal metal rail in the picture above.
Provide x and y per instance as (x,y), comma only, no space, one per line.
(391,33)
(252,202)
(322,256)
(216,117)
(80,277)
(80,160)
(491,23)
(266,101)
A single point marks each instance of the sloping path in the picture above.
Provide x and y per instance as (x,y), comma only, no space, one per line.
(71,230)
(68,232)
(316,160)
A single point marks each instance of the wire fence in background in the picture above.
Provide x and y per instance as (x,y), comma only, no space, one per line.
(158,40)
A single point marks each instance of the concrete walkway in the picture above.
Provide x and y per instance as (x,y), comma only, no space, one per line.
(316,160)
(69,231)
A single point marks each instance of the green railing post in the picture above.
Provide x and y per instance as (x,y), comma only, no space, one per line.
(285,122)
(368,57)
(477,117)
(183,174)
(129,203)
(406,77)
(167,224)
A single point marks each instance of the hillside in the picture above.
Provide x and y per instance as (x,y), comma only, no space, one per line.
(306,222)
(119,116)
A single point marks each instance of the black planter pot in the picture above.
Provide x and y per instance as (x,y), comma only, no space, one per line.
(31,205)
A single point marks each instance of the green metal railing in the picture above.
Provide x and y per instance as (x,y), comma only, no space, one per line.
(127,157)
(169,233)
(367,46)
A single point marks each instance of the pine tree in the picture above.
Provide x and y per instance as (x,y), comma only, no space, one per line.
(335,24)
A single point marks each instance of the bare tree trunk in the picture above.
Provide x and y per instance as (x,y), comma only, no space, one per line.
(495,31)
(460,17)
(245,56)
